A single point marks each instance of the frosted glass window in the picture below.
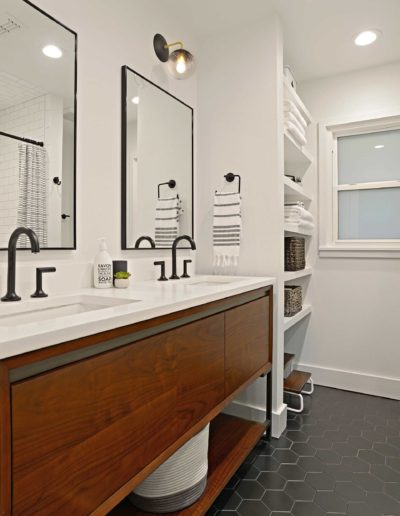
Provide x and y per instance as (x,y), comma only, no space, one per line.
(369,214)
(363,158)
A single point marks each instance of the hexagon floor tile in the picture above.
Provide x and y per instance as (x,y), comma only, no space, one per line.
(340,456)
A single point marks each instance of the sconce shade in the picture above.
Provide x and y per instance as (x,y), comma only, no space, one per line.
(161,48)
(180,63)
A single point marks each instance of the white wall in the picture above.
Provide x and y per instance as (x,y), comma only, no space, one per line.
(240,130)
(110,34)
(351,339)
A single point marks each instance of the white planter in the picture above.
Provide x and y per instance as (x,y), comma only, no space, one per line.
(121,283)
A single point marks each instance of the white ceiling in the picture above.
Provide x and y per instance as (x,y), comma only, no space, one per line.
(23,67)
(318,34)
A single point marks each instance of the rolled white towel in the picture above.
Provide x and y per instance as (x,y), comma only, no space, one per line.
(298,212)
(295,133)
(290,106)
(290,117)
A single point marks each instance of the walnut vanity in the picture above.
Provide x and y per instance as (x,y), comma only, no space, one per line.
(85,419)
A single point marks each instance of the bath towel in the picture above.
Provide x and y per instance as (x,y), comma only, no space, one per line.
(227,227)
(167,217)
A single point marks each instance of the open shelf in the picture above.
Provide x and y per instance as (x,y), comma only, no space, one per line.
(291,321)
(296,381)
(297,158)
(292,275)
(294,192)
(294,229)
(291,94)
(231,440)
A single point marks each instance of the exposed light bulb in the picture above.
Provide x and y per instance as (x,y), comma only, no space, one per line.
(135,100)
(378,146)
(181,64)
(366,38)
(52,51)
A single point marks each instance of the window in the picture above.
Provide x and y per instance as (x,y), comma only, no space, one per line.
(360,188)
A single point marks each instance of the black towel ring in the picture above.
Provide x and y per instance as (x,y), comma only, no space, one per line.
(171,183)
(230,177)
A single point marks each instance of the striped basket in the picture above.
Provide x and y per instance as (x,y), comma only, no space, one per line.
(179,481)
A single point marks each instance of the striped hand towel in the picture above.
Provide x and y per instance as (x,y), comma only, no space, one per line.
(227,227)
(167,221)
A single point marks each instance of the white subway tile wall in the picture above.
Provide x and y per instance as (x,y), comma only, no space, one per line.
(26,119)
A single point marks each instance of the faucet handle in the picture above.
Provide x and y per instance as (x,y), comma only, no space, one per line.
(162,276)
(185,272)
(39,281)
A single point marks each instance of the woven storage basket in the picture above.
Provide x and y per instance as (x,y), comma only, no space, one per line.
(295,256)
(179,481)
(293,300)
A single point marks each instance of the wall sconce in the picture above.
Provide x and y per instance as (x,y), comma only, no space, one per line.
(180,62)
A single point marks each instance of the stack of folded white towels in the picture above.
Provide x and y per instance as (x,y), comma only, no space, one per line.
(295,123)
(297,214)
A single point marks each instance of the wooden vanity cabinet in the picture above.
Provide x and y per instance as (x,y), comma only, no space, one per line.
(90,419)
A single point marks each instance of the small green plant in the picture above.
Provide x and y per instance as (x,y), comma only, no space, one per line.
(122,275)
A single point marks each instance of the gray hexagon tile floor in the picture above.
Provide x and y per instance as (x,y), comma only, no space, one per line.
(341,456)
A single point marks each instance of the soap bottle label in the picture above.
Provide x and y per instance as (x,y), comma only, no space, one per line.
(104,273)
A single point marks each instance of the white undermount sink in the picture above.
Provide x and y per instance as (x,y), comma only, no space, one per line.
(16,314)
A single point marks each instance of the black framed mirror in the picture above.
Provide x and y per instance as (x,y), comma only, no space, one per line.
(157,164)
(38,78)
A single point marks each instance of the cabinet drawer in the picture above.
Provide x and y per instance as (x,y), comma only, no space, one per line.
(82,431)
(247,346)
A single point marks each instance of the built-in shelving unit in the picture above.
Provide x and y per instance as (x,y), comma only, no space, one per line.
(297,162)
(294,191)
(297,230)
(291,321)
(297,158)
(289,275)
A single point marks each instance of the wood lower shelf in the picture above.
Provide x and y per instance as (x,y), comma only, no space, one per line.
(291,321)
(296,381)
(231,440)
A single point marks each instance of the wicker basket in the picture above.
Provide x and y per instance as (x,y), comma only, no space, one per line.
(293,300)
(295,256)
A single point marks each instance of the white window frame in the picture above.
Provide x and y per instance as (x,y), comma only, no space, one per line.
(329,243)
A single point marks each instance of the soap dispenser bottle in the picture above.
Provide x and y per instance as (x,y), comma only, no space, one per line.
(102,267)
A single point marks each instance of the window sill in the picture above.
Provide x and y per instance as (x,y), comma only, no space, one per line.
(359,252)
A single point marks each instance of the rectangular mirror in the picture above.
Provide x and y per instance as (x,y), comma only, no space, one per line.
(37,126)
(157,163)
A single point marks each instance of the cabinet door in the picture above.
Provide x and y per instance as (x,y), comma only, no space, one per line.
(246,342)
(82,431)
(200,381)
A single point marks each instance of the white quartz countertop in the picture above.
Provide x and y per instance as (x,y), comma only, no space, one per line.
(22,331)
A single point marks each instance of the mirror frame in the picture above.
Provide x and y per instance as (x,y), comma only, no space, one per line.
(74,210)
(124,115)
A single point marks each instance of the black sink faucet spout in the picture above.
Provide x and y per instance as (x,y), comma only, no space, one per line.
(12,255)
(174,246)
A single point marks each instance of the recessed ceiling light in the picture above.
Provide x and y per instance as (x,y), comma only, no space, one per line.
(378,146)
(52,51)
(135,100)
(366,37)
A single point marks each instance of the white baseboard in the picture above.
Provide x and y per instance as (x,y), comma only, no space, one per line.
(279,421)
(256,413)
(354,381)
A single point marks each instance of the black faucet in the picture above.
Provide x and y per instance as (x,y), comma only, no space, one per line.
(12,252)
(174,246)
(145,238)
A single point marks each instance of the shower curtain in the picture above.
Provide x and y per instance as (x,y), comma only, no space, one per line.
(33,198)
